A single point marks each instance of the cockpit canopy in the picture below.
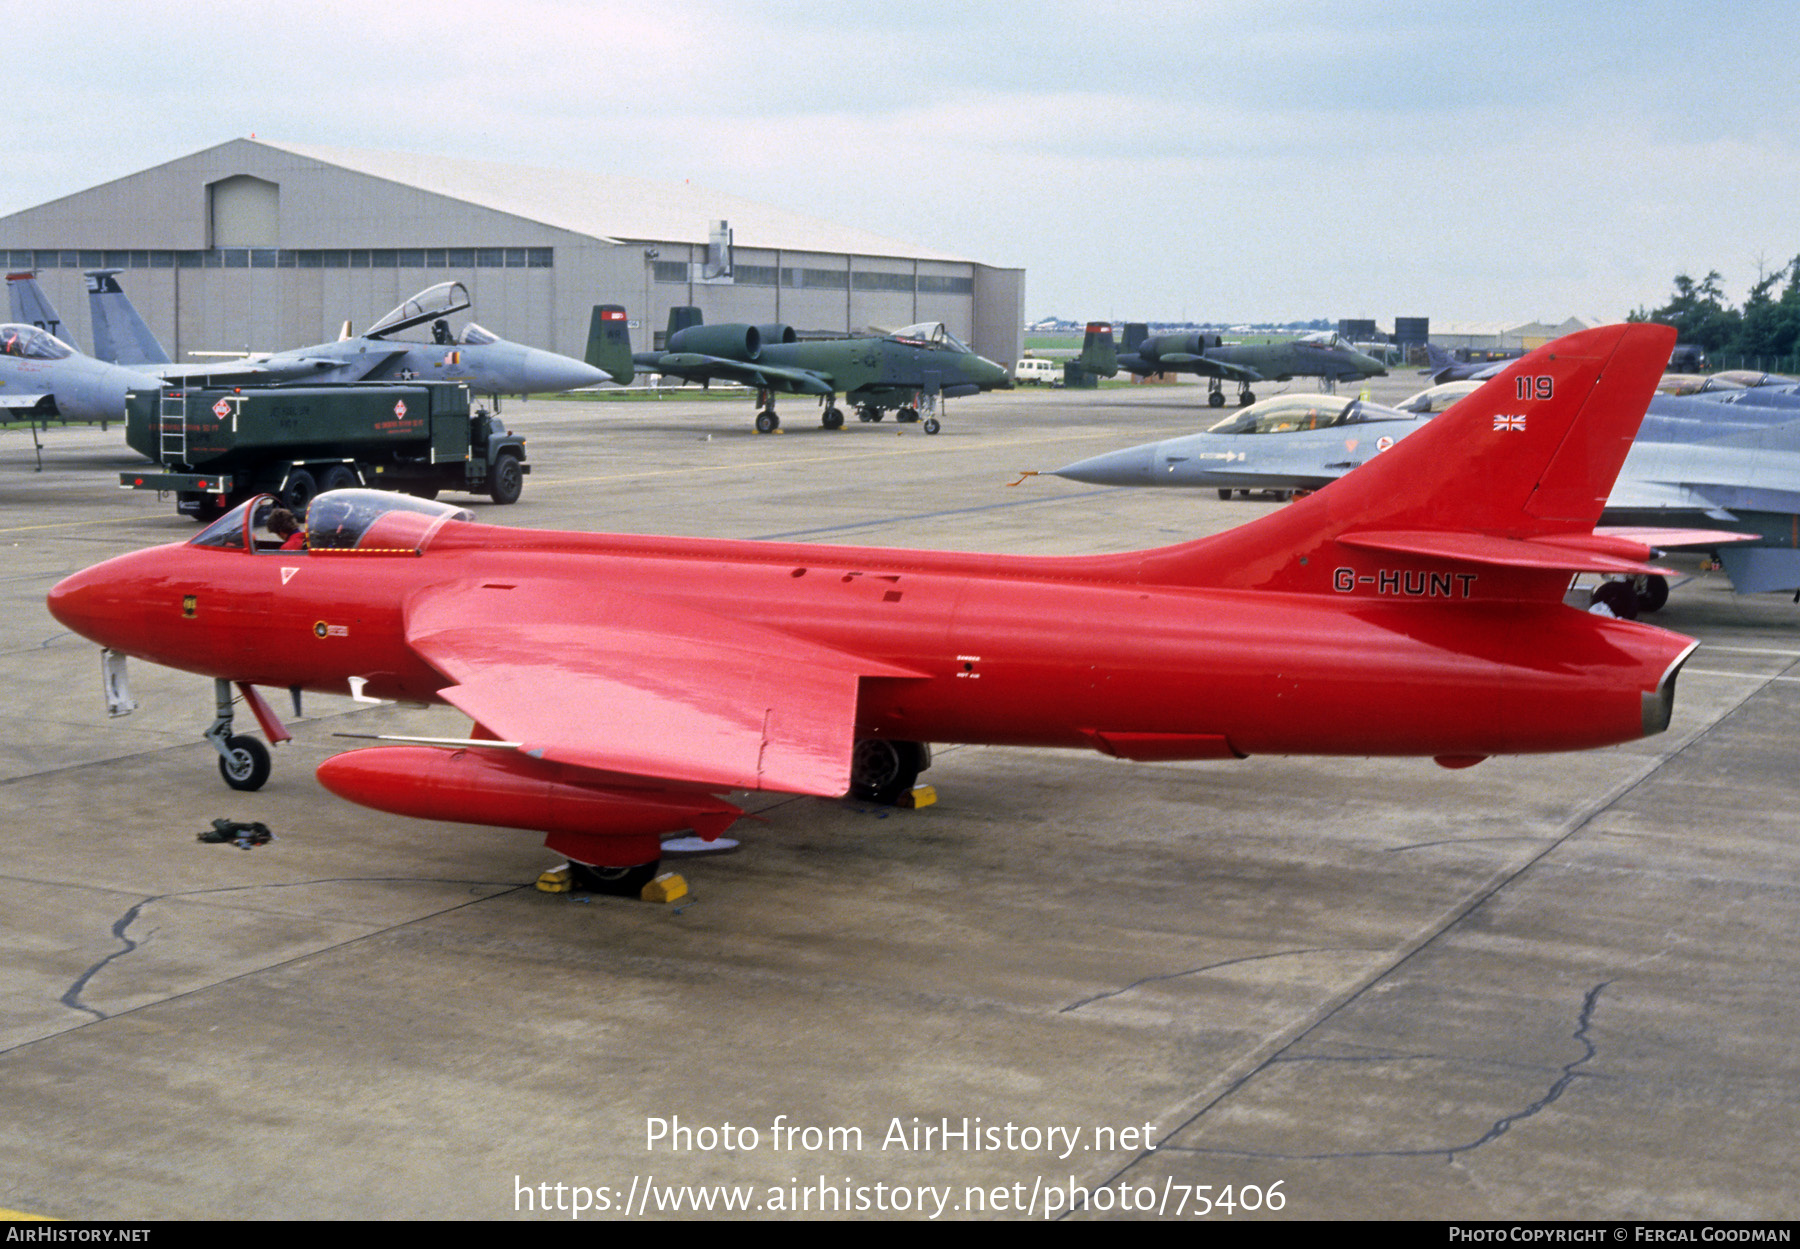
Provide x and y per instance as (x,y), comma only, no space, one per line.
(1286,414)
(931,335)
(31,343)
(428,305)
(1694,383)
(339,520)
(1328,339)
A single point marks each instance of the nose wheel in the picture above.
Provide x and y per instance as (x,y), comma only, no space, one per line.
(243,761)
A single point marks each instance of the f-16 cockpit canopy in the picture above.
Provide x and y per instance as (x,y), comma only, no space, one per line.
(339,520)
(1694,383)
(1285,414)
(428,305)
(32,343)
(1435,399)
(931,334)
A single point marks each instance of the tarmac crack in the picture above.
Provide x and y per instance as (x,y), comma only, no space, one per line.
(72,996)
(1176,975)
(1559,1086)
(1279,1048)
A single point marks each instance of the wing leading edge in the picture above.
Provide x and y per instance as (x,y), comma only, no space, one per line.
(640,687)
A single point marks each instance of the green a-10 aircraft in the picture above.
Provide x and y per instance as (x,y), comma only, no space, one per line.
(906,372)
(1323,355)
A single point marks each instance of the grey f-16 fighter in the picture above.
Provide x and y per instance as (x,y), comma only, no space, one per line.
(1709,468)
(1323,355)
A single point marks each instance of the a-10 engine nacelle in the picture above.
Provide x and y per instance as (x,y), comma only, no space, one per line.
(729,342)
(1162,346)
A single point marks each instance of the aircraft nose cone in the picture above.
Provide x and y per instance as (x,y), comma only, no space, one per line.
(545,371)
(994,377)
(1130,467)
(78,603)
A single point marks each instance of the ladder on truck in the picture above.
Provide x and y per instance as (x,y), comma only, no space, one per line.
(171,425)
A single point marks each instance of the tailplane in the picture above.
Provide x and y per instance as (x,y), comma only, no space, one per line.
(1498,497)
(120,335)
(609,342)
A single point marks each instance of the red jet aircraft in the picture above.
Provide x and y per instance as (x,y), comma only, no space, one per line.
(620,684)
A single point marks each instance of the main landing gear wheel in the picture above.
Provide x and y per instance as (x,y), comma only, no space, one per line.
(1245,398)
(1224,492)
(832,418)
(1652,592)
(1618,596)
(867,413)
(881,770)
(613,882)
(245,763)
(931,425)
(767,422)
(906,416)
(1216,399)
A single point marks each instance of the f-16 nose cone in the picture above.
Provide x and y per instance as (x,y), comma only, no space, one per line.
(1130,467)
(545,371)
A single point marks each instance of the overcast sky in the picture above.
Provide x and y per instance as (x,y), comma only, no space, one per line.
(1236,161)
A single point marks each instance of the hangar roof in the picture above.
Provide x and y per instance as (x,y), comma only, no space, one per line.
(614,207)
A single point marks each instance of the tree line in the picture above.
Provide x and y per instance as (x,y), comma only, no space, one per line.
(1764,333)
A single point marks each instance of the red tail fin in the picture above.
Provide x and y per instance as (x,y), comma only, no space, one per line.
(1530,456)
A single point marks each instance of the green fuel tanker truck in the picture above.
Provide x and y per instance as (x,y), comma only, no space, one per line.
(215,447)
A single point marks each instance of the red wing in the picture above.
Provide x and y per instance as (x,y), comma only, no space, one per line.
(644,687)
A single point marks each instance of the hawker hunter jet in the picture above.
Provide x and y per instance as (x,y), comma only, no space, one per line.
(1323,355)
(906,372)
(622,687)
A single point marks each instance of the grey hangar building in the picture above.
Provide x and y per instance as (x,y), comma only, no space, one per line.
(259,246)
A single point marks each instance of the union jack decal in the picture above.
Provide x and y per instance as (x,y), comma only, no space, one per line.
(1503,424)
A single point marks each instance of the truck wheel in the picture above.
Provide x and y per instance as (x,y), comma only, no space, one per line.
(342,477)
(508,480)
(302,488)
